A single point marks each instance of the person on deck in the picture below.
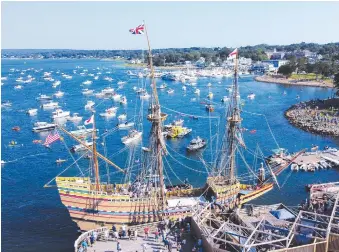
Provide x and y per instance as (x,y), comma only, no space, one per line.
(146,230)
(118,247)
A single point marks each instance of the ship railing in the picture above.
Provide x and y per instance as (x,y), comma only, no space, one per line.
(86,235)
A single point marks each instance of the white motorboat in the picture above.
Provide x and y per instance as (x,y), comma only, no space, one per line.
(184,88)
(145,96)
(116,97)
(197,91)
(225,99)
(87,82)
(209,84)
(303,167)
(6,104)
(251,96)
(50,105)
(129,73)
(108,114)
(162,86)
(43,126)
(82,131)
(89,104)
(210,95)
(170,91)
(122,82)
(196,144)
(55,84)
(108,79)
(18,87)
(125,125)
(75,117)
(87,91)
(122,117)
(44,97)
(123,100)
(59,113)
(59,94)
(96,77)
(32,112)
(107,90)
(139,90)
(294,167)
(132,136)
(81,147)
(324,164)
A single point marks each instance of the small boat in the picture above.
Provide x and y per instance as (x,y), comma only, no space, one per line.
(108,114)
(132,136)
(122,116)
(303,167)
(50,105)
(170,91)
(37,141)
(129,73)
(13,144)
(112,109)
(32,112)
(75,117)
(55,84)
(178,132)
(59,94)
(16,128)
(209,84)
(253,131)
(96,77)
(298,97)
(44,97)
(6,104)
(18,87)
(59,113)
(163,86)
(107,90)
(3,162)
(145,96)
(209,108)
(294,167)
(125,125)
(59,161)
(123,100)
(87,91)
(225,99)
(82,131)
(89,104)
(184,88)
(251,96)
(87,82)
(43,126)
(210,95)
(81,147)
(197,91)
(314,148)
(310,168)
(122,82)
(116,97)
(196,144)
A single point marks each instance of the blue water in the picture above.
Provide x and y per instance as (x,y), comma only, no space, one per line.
(33,218)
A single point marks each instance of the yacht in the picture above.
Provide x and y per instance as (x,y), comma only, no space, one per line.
(108,79)
(82,131)
(225,99)
(294,167)
(132,136)
(251,96)
(96,77)
(163,86)
(87,82)
(122,117)
(75,117)
(209,84)
(116,97)
(32,112)
(122,82)
(197,91)
(44,97)
(129,73)
(89,104)
(145,95)
(81,147)
(125,125)
(183,88)
(108,114)
(170,91)
(18,87)
(196,144)
(112,109)
(50,105)
(108,90)
(59,94)
(87,91)
(43,126)
(59,113)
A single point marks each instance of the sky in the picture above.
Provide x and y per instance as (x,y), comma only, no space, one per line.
(105,25)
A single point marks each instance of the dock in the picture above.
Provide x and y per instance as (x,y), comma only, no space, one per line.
(318,159)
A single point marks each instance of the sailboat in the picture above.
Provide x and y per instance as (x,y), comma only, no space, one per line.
(93,202)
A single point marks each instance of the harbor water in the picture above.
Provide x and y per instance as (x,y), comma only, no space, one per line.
(33,218)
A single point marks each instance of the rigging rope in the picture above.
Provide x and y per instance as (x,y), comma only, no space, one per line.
(206,117)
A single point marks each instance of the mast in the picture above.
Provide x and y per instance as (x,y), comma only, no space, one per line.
(156,117)
(95,158)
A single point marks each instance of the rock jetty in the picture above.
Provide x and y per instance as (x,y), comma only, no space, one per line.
(316,116)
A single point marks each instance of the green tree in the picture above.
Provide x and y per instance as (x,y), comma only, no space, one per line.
(286,70)
(336,82)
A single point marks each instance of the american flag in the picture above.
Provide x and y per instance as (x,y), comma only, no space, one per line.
(138,30)
(51,138)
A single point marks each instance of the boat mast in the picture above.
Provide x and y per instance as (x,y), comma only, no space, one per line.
(95,158)
(156,117)
(233,125)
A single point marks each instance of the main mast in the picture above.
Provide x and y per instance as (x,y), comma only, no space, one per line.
(95,158)
(157,146)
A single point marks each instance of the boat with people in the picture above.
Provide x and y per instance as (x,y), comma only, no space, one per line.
(87,82)
(87,91)
(82,131)
(59,113)
(125,125)
(210,95)
(251,96)
(89,104)
(209,107)
(75,117)
(162,86)
(122,116)
(197,91)
(81,147)
(196,144)
(59,94)
(44,97)
(55,84)
(123,100)
(116,97)
(132,136)
(170,91)
(177,132)
(50,105)
(43,126)
(225,99)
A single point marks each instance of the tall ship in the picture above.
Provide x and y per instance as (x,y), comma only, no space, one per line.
(93,201)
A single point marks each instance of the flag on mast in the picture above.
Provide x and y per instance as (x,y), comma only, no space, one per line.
(52,138)
(138,30)
(89,121)
(233,54)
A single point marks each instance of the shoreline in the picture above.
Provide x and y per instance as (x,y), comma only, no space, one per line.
(269,79)
(315,116)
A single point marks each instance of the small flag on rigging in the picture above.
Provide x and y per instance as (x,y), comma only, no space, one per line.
(52,138)
(138,30)
(89,121)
